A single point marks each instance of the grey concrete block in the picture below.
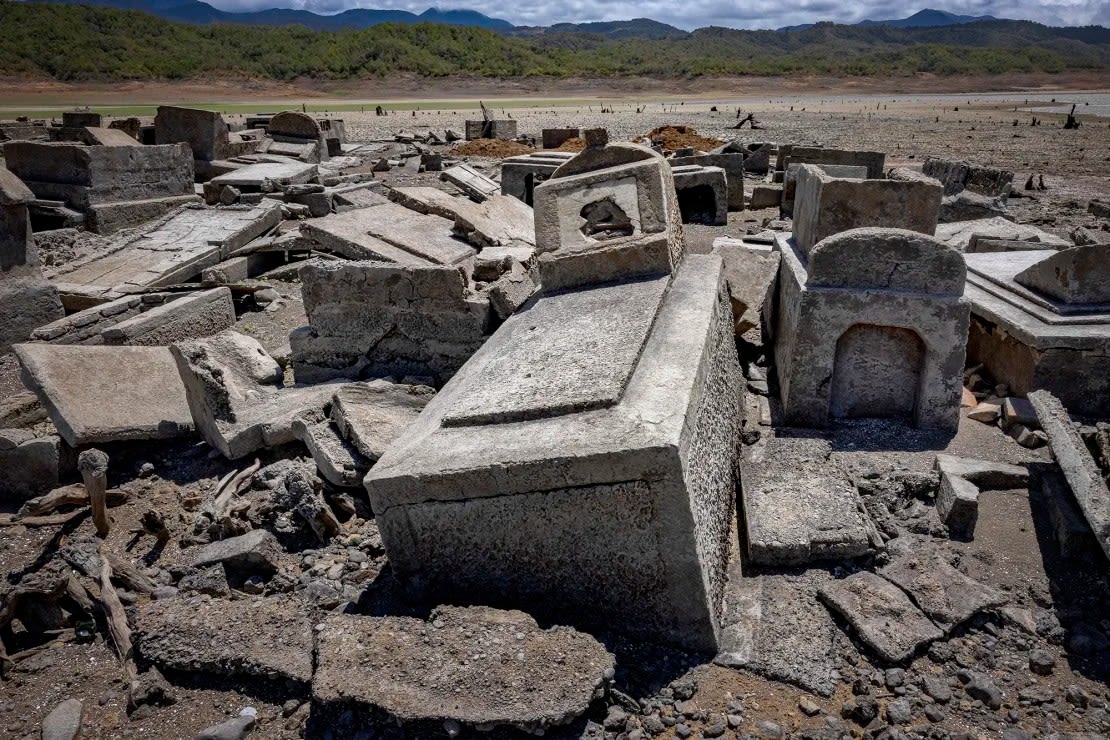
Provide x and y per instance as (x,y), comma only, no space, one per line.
(958,505)
(200,314)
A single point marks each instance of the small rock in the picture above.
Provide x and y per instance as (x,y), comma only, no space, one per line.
(684,689)
(64,721)
(899,712)
(615,719)
(933,713)
(714,729)
(937,688)
(981,687)
(1042,662)
(985,412)
(809,707)
(682,729)
(1076,696)
(894,677)
(767,728)
(233,729)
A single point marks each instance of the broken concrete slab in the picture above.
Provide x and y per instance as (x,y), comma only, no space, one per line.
(984,473)
(958,505)
(752,272)
(800,507)
(961,234)
(511,291)
(441,670)
(521,174)
(775,626)
(30,464)
(1074,275)
(1079,467)
(259,638)
(107,394)
(175,250)
(957,176)
(389,233)
(199,314)
(948,596)
(373,415)
(232,390)
(97,136)
(882,614)
(497,221)
(470,181)
(337,459)
(514,503)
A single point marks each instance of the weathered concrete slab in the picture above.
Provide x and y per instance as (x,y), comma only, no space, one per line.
(107,137)
(442,669)
(260,638)
(752,271)
(573,366)
(497,221)
(375,414)
(30,465)
(733,166)
(799,506)
(959,176)
(882,614)
(948,596)
(391,233)
(345,234)
(1079,468)
(470,181)
(703,194)
(961,234)
(1073,275)
(257,551)
(175,250)
(521,174)
(985,474)
(267,177)
(775,626)
(534,512)
(107,394)
(337,459)
(875,162)
(200,314)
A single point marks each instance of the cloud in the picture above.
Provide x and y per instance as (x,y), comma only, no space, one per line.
(697,13)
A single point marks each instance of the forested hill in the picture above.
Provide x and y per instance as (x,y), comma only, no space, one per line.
(77,43)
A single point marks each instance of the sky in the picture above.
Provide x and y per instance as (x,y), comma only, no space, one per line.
(691,14)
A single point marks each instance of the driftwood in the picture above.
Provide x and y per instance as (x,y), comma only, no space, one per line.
(118,627)
(72,495)
(93,465)
(1072,122)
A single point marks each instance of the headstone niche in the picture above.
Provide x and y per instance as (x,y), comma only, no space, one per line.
(580,465)
(871,323)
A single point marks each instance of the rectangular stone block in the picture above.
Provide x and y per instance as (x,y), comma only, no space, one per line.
(703,194)
(553,138)
(609,510)
(204,131)
(200,314)
(873,161)
(732,164)
(826,205)
(107,394)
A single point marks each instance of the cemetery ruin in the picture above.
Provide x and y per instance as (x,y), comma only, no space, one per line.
(614,438)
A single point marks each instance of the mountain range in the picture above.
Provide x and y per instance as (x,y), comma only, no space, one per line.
(201,13)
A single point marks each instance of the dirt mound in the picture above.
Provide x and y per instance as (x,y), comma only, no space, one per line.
(571,145)
(680,137)
(491,148)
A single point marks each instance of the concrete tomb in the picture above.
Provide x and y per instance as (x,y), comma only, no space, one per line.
(873,161)
(521,174)
(790,181)
(703,194)
(582,463)
(27,301)
(826,205)
(1041,319)
(504,128)
(871,322)
(959,176)
(299,130)
(114,186)
(733,166)
(206,133)
(553,138)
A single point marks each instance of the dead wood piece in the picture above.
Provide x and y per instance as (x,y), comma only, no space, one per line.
(117,618)
(71,495)
(93,465)
(306,496)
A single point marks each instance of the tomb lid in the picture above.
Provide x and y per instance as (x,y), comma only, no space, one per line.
(886,259)
(294,123)
(604,157)
(1075,275)
(574,352)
